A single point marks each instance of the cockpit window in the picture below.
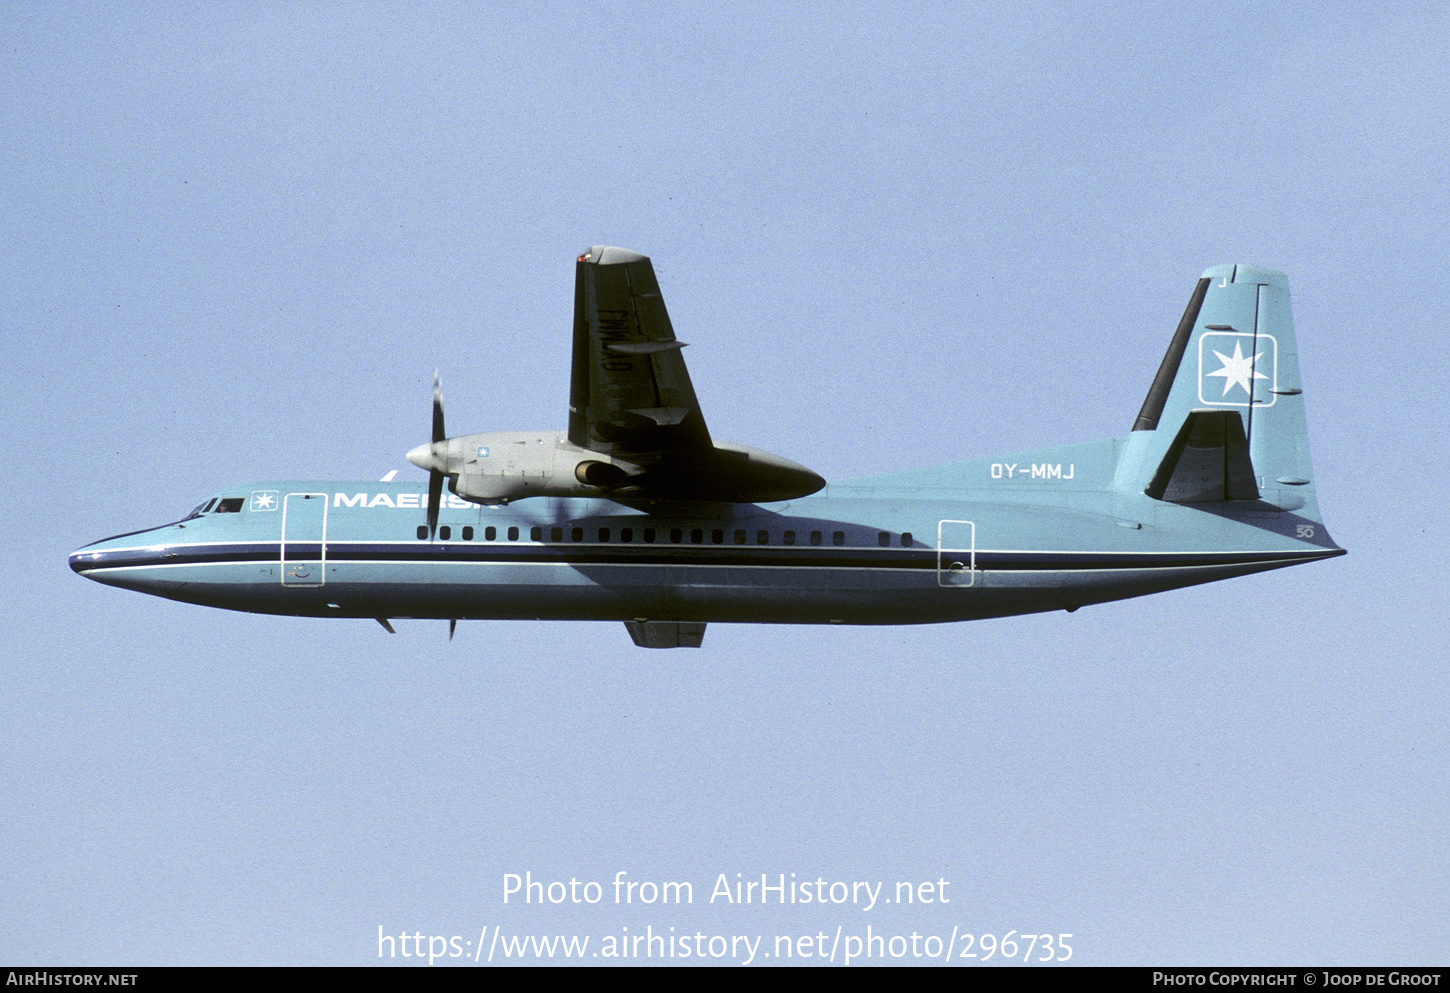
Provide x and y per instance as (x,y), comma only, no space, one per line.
(231,505)
(202,508)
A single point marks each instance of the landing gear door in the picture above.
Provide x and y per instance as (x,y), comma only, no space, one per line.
(304,539)
(956,553)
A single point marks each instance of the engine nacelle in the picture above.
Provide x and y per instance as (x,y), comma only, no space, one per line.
(594,473)
(511,465)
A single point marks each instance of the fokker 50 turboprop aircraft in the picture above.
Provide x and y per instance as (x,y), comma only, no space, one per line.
(637,514)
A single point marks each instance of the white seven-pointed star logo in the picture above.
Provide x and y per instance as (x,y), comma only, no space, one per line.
(1237,369)
(263,501)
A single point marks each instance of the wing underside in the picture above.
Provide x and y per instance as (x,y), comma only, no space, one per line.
(630,396)
(630,393)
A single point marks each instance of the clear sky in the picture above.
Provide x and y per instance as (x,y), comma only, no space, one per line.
(239,239)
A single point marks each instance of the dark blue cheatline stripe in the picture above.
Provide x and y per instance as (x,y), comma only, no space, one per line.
(668,555)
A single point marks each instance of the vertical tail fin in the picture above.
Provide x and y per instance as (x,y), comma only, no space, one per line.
(1224,418)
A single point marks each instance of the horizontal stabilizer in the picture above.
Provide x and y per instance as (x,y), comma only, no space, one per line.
(666,634)
(1207,462)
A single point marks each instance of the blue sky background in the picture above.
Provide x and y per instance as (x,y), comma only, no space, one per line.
(239,240)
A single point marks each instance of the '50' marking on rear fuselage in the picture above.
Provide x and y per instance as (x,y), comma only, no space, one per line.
(1037,470)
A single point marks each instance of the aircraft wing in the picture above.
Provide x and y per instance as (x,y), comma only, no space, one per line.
(629,394)
(630,398)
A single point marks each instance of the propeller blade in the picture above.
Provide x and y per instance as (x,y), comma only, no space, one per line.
(438,432)
(435,496)
(452,626)
(435,478)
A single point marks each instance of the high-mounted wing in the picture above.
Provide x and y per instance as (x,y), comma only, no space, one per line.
(630,393)
(635,427)
(630,396)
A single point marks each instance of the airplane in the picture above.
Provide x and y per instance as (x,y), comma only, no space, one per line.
(638,514)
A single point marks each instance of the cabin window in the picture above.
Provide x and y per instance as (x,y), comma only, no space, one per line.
(468,532)
(789,537)
(231,505)
(490,533)
(445,532)
(815,537)
(697,535)
(883,539)
(838,537)
(906,539)
(649,535)
(513,534)
(556,534)
(577,534)
(717,536)
(422,532)
(626,534)
(603,534)
(740,537)
(762,537)
(536,534)
(676,535)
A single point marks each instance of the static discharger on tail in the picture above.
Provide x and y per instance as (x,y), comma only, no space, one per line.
(636,513)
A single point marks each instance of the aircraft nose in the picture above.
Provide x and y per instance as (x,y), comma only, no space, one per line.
(84,561)
(122,562)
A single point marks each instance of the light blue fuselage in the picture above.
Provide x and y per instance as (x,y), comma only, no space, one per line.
(1043,531)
